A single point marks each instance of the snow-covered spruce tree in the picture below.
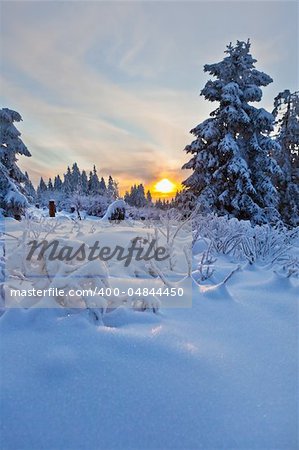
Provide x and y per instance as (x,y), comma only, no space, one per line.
(50,185)
(29,188)
(76,179)
(102,186)
(286,113)
(149,199)
(233,172)
(136,197)
(13,195)
(184,201)
(57,194)
(84,182)
(67,181)
(112,189)
(57,183)
(42,192)
(93,182)
(141,199)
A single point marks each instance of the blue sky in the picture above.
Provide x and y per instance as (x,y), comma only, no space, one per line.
(116,84)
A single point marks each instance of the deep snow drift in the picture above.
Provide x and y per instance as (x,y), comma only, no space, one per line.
(222,374)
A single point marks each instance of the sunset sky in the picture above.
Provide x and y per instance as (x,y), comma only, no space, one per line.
(116,84)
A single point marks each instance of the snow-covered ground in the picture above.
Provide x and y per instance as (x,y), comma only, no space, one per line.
(220,375)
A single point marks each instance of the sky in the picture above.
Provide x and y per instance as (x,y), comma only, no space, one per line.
(117,84)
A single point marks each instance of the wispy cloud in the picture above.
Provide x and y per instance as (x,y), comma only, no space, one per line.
(116,84)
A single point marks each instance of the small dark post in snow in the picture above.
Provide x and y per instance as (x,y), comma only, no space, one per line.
(52,208)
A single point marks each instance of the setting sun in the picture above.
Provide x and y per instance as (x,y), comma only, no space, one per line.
(164,186)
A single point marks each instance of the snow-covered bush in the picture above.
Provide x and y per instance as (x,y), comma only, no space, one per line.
(145,213)
(205,267)
(288,266)
(2,264)
(240,239)
(50,266)
(116,211)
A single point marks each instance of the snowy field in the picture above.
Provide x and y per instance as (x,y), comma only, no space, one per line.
(222,374)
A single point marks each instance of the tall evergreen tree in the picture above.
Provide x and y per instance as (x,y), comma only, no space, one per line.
(233,172)
(57,183)
(286,113)
(84,182)
(112,188)
(141,200)
(67,183)
(149,198)
(130,197)
(75,178)
(159,204)
(50,185)
(12,191)
(89,182)
(184,201)
(41,191)
(42,185)
(103,188)
(29,188)
(127,197)
(94,184)
(136,197)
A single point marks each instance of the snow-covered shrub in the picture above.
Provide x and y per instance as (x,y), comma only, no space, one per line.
(97,205)
(172,222)
(145,213)
(151,303)
(2,264)
(116,211)
(288,266)
(205,267)
(262,243)
(46,270)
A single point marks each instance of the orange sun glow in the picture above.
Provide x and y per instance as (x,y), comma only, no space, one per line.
(164,186)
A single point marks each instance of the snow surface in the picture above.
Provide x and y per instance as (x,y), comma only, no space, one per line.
(220,375)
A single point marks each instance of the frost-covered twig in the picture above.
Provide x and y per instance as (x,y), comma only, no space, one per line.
(230,274)
(204,267)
